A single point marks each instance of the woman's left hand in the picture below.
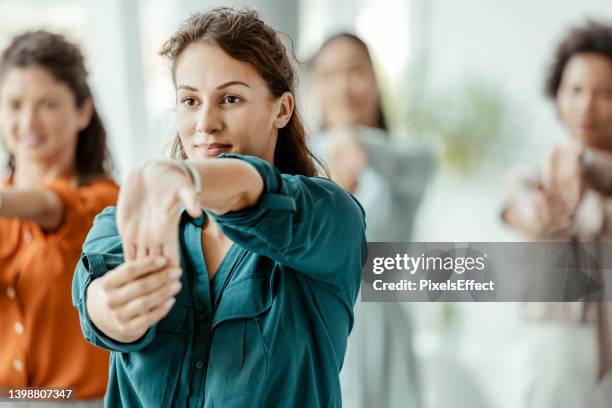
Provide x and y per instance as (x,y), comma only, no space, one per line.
(148,210)
(546,207)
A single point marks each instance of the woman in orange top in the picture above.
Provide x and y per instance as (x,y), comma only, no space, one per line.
(58,182)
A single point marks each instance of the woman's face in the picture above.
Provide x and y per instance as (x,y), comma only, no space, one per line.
(40,119)
(223,105)
(584,99)
(346,85)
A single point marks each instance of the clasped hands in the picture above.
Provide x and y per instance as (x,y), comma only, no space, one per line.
(129,299)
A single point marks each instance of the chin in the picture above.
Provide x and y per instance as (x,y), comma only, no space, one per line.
(34,154)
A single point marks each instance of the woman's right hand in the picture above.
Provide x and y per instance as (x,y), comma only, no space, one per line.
(129,299)
(345,158)
(546,208)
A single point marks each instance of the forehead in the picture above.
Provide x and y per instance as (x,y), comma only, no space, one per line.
(31,80)
(204,65)
(339,53)
(588,66)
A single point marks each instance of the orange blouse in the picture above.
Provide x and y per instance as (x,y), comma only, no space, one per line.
(41,344)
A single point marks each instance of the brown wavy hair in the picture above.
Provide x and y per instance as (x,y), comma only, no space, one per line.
(242,35)
(592,37)
(65,62)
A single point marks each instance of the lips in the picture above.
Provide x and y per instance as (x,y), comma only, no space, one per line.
(31,140)
(212,149)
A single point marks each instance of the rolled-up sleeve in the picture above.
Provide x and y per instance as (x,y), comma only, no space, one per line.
(306,223)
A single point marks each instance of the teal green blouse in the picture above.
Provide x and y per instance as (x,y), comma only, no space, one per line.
(270,329)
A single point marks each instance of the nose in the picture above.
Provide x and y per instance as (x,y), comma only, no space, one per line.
(343,86)
(28,120)
(587,103)
(209,121)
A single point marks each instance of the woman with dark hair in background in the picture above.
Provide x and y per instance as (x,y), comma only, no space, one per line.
(58,181)
(227,277)
(389,180)
(571,200)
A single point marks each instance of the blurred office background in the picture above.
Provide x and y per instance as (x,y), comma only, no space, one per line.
(465,77)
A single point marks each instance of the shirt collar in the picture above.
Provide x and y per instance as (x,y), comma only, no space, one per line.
(198,222)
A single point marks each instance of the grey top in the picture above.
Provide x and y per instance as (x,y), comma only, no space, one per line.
(380,367)
(392,186)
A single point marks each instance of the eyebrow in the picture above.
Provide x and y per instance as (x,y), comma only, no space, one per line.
(222,86)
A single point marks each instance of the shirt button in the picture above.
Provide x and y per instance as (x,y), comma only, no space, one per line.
(18,328)
(199,364)
(10,292)
(27,236)
(17,365)
(202,316)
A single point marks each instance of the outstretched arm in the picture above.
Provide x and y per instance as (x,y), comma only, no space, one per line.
(148,212)
(43,207)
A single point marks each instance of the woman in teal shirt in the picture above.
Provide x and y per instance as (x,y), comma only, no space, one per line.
(227,278)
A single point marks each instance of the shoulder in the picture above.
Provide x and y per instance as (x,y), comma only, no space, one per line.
(101,186)
(103,182)
(326,194)
(98,194)
(319,186)
(92,196)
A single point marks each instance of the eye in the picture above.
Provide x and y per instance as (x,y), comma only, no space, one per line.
(14,104)
(231,99)
(189,101)
(48,104)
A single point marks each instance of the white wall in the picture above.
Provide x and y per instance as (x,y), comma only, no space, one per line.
(508,44)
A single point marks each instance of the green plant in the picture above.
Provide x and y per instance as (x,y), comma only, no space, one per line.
(466,124)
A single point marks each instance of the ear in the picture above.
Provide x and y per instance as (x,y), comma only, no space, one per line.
(285,106)
(85,113)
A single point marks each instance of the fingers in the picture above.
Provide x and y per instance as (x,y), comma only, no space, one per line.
(190,200)
(141,251)
(143,286)
(130,271)
(170,251)
(138,294)
(155,250)
(143,304)
(129,251)
(146,320)
(527,212)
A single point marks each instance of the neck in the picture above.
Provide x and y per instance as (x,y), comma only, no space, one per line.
(211,228)
(36,174)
